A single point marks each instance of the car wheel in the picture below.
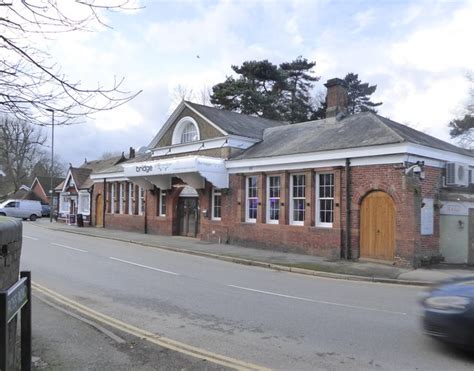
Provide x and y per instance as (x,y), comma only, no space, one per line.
(3,214)
(32,217)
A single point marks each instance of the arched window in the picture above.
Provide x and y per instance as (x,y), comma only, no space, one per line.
(186,131)
(189,133)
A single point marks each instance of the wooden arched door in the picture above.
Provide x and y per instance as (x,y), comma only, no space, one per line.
(377,226)
(99,211)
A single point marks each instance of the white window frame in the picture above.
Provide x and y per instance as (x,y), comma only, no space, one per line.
(162,202)
(112,198)
(84,200)
(131,196)
(64,204)
(273,221)
(318,198)
(179,130)
(292,198)
(247,199)
(141,200)
(216,192)
(121,196)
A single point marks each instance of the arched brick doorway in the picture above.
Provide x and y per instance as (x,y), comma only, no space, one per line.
(377,226)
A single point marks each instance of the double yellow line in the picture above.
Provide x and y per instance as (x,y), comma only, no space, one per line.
(146,335)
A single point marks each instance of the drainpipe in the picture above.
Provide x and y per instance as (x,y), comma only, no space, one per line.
(145,229)
(347,242)
(91,193)
(104,203)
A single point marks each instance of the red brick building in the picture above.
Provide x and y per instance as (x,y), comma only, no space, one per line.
(359,186)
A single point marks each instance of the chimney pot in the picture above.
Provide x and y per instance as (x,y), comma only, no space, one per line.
(336,98)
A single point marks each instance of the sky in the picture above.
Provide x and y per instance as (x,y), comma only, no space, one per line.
(417,53)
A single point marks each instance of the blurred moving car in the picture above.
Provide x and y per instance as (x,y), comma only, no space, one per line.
(448,312)
(45,210)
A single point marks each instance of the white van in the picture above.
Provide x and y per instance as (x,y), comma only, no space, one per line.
(25,209)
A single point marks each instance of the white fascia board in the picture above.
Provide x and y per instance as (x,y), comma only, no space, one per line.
(438,154)
(229,141)
(362,161)
(111,179)
(167,124)
(66,181)
(301,160)
(102,176)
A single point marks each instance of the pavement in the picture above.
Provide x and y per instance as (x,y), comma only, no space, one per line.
(284,261)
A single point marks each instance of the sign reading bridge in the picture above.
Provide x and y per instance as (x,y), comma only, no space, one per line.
(210,168)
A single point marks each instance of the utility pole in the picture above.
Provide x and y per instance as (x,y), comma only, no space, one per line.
(51,191)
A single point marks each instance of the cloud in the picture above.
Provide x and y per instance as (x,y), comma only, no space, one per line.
(363,19)
(415,54)
(441,47)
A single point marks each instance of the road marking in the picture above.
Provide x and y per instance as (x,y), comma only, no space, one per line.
(31,238)
(68,247)
(318,301)
(100,328)
(144,266)
(146,335)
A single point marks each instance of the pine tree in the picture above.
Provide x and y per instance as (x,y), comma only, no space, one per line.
(266,90)
(299,81)
(359,95)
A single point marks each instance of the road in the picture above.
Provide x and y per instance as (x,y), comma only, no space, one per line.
(273,319)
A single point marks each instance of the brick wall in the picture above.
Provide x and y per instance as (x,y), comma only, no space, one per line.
(306,238)
(406,192)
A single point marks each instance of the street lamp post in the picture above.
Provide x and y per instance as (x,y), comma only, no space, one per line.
(51,191)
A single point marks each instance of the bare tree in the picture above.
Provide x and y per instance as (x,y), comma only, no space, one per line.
(30,82)
(20,145)
(42,166)
(182,92)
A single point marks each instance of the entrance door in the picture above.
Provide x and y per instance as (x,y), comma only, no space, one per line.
(99,211)
(377,227)
(188,215)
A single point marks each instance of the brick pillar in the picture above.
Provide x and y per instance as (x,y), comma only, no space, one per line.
(284,198)
(309,201)
(240,210)
(261,217)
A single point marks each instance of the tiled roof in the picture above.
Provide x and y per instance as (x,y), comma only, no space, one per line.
(360,130)
(236,123)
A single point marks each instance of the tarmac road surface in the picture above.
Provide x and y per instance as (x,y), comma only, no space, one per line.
(251,315)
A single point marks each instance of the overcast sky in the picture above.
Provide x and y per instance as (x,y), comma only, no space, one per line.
(416,52)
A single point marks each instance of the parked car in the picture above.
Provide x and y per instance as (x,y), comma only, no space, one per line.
(25,209)
(448,312)
(45,210)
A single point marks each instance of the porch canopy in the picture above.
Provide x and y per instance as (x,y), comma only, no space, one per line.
(193,170)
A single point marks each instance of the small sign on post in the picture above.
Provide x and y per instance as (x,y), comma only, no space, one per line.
(16,298)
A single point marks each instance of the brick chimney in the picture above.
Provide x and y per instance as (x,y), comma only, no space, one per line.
(336,98)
